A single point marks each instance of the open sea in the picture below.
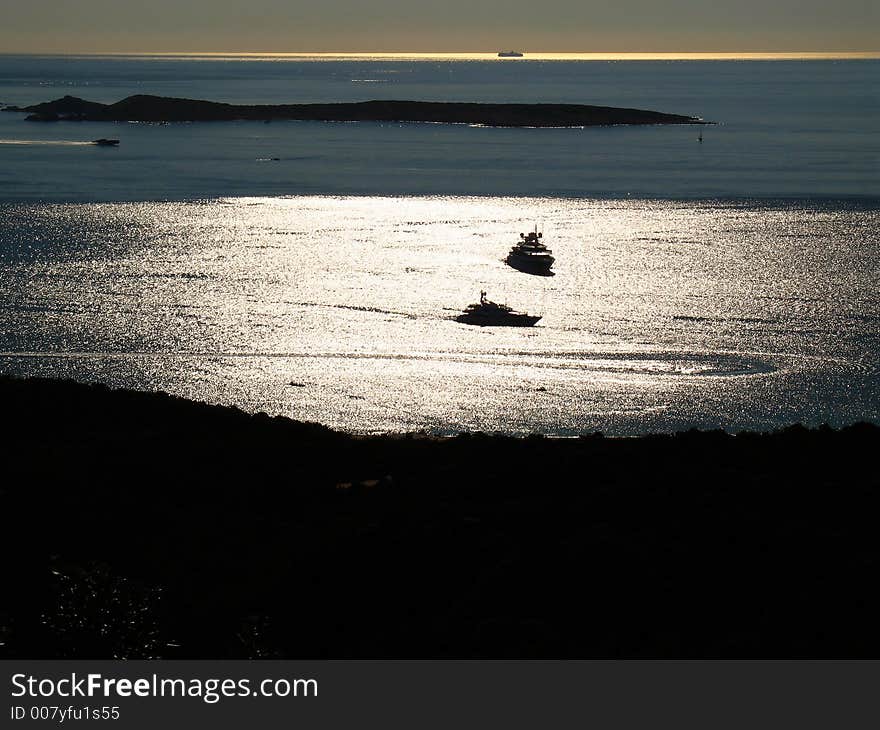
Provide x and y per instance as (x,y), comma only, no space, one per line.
(315,269)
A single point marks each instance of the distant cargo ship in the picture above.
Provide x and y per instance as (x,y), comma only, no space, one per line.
(509,54)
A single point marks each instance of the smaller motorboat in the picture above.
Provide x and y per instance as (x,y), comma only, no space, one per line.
(105,142)
(490,314)
(510,54)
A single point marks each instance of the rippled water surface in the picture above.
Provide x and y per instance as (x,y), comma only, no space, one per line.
(795,129)
(315,269)
(662,315)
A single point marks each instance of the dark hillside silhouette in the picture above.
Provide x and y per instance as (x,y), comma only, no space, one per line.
(144,525)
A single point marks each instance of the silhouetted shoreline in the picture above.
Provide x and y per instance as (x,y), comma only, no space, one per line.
(144,108)
(144,525)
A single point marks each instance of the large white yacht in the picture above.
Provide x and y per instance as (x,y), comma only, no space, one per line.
(531,255)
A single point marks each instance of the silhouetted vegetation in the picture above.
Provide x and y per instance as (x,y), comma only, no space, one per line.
(143,525)
(144,108)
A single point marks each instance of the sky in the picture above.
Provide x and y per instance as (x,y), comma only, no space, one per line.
(295,26)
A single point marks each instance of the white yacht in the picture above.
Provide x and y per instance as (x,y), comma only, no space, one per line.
(531,255)
(490,314)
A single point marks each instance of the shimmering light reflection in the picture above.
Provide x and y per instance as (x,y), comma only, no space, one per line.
(340,310)
(528,56)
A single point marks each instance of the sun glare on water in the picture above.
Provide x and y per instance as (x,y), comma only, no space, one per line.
(343,310)
(527,56)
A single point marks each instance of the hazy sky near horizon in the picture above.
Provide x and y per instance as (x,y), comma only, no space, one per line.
(97,26)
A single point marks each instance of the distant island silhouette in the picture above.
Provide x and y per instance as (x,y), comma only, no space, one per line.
(144,108)
(141,525)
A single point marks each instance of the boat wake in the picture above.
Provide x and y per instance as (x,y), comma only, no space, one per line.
(46,142)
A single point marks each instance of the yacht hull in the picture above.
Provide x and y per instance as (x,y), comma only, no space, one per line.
(510,320)
(529,265)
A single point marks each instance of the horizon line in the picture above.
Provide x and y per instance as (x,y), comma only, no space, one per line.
(477,56)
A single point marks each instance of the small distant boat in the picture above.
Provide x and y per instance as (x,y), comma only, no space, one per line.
(509,54)
(105,142)
(489,314)
(700,138)
(530,255)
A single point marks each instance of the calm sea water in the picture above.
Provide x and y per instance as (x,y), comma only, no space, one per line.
(731,283)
